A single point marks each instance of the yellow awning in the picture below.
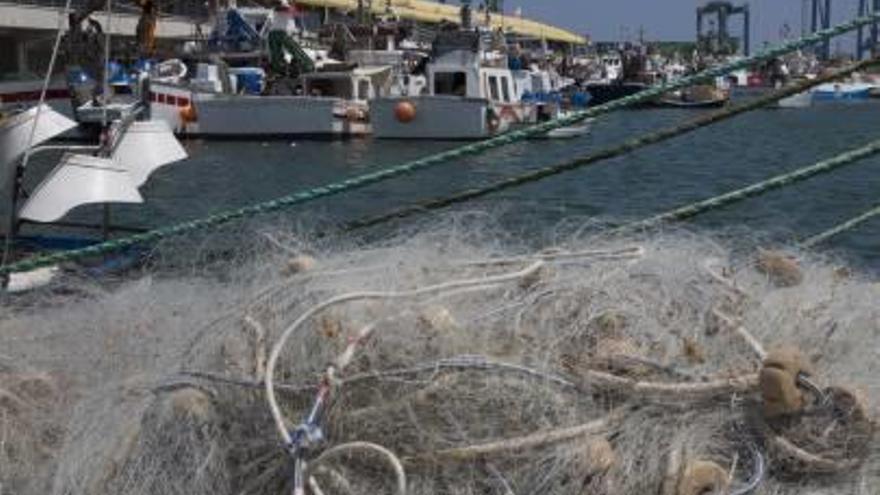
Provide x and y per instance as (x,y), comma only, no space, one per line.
(433,12)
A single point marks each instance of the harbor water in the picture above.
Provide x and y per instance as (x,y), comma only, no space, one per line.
(227,174)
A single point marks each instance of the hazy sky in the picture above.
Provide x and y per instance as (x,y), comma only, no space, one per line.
(665,19)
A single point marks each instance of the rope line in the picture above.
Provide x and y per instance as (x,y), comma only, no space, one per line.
(841,228)
(756,189)
(431,160)
(611,152)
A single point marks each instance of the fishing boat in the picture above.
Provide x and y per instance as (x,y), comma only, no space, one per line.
(702,96)
(225,91)
(842,91)
(470,94)
(613,81)
(327,104)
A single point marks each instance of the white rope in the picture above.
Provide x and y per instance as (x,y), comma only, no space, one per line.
(740,330)
(393,461)
(367,295)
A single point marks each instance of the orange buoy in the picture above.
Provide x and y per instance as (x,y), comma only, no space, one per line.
(188,114)
(405,112)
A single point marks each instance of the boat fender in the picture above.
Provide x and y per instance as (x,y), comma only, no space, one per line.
(188,114)
(405,112)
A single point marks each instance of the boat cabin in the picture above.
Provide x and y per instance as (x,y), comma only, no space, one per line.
(493,84)
(471,80)
(612,66)
(361,84)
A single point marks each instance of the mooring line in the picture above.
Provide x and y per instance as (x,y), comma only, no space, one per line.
(699,207)
(841,228)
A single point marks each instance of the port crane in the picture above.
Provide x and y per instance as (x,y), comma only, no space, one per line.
(720,42)
(867,36)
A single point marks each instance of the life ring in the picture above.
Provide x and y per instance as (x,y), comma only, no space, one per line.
(170,70)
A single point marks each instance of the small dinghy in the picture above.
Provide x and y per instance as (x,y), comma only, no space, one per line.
(572,131)
(576,129)
(702,96)
(842,91)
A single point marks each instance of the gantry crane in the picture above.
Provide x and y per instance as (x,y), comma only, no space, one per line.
(868,44)
(720,42)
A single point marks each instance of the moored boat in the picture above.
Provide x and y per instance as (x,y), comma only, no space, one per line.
(571,131)
(225,91)
(842,91)
(193,108)
(702,96)
(470,95)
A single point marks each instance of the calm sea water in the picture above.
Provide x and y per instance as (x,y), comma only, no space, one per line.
(713,160)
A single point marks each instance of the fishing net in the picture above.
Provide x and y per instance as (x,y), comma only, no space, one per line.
(450,363)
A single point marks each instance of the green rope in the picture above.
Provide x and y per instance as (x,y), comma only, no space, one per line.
(422,163)
(699,207)
(841,228)
(611,152)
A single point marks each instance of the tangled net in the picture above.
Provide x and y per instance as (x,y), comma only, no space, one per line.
(433,365)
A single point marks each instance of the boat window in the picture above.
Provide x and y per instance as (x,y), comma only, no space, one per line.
(363,90)
(341,88)
(493,88)
(504,89)
(450,83)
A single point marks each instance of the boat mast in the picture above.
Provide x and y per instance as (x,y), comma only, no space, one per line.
(105,124)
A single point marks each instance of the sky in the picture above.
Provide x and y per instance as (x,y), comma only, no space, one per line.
(667,20)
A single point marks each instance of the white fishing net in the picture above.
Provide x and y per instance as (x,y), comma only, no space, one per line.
(460,365)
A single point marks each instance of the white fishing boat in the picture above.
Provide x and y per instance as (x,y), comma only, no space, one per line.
(225,92)
(470,95)
(329,104)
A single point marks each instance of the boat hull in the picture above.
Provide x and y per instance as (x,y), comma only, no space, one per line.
(677,103)
(436,117)
(449,117)
(249,116)
(17,95)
